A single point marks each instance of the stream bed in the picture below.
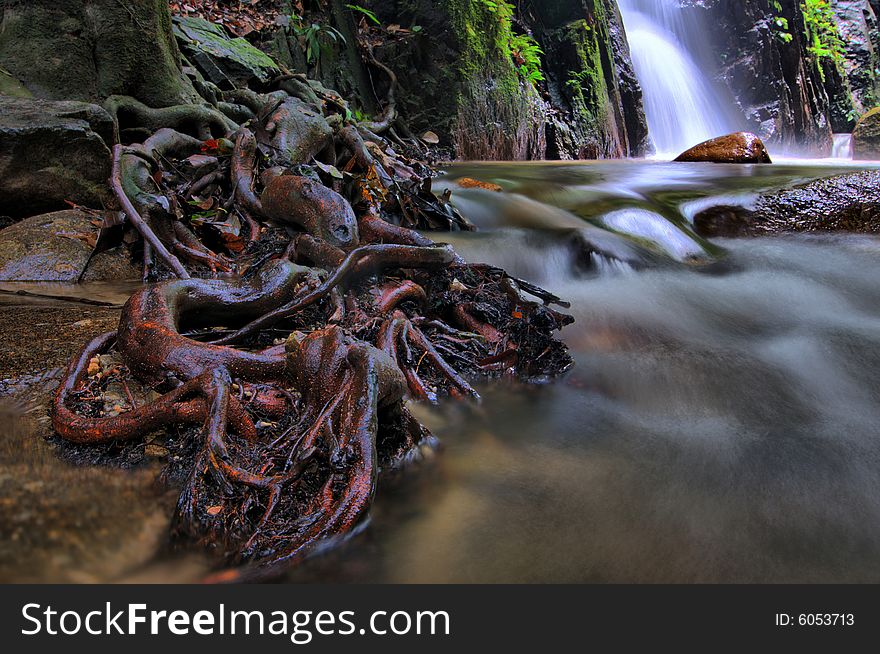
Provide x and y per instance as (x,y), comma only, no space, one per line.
(721,424)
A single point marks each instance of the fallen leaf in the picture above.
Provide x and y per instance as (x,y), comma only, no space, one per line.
(470,182)
(214,510)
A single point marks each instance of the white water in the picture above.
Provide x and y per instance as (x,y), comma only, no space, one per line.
(842,147)
(681,105)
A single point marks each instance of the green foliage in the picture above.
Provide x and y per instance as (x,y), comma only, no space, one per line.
(823,37)
(527,55)
(522,48)
(503,10)
(366,12)
(781,24)
(314,38)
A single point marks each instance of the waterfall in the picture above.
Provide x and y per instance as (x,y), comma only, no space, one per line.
(683,107)
(842,147)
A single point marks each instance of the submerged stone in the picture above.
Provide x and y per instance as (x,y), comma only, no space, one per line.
(845,203)
(739,147)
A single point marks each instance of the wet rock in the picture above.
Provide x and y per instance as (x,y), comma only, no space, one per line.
(225,61)
(112,266)
(470,182)
(300,131)
(866,136)
(860,30)
(739,147)
(776,82)
(51,152)
(849,203)
(588,106)
(53,247)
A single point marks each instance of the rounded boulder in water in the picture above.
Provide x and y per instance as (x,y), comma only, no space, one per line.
(739,147)
(322,212)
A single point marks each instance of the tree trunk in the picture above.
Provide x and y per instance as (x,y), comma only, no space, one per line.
(91,49)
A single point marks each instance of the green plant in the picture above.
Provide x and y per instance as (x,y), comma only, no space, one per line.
(503,10)
(522,48)
(823,37)
(527,54)
(314,38)
(781,25)
(366,12)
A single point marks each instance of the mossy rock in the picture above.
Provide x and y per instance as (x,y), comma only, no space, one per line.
(52,152)
(75,50)
(866,136)
(223,60)
(11,86)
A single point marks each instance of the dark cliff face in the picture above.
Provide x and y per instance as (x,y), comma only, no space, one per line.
(781,93)
(590,79)
(860,31)
(458,78)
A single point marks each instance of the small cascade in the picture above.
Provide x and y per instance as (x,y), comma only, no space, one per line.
(682,106)
(842,148)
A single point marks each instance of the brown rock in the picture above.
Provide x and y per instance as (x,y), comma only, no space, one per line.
(52,247)
(866,136)
(470,182)
(739,147)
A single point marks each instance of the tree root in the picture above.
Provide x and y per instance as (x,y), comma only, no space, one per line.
(137,221)
(283,388)
(199,119)
(365,260)
(318,210)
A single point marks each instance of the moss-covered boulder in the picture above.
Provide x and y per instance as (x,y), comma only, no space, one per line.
(91,49)
(866,136)
(223,60)
(52,152)
(11,86)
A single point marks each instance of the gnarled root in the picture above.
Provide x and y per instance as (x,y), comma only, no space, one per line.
(137,220)
(365,260)
(197,118)
(398,336)
(345,384)
(184,405)
(318,210)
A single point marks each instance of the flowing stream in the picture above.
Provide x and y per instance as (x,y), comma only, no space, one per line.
(721,424)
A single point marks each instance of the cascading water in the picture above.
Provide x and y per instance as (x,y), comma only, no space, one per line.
(842,147)
(681,105)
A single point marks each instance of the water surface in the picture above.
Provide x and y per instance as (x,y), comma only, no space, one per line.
(722,423)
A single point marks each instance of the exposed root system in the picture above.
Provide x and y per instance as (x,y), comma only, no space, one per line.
(297,310)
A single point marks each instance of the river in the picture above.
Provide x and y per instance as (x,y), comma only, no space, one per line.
(721,424)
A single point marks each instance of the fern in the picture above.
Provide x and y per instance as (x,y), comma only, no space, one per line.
(522,48)
(823,37)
